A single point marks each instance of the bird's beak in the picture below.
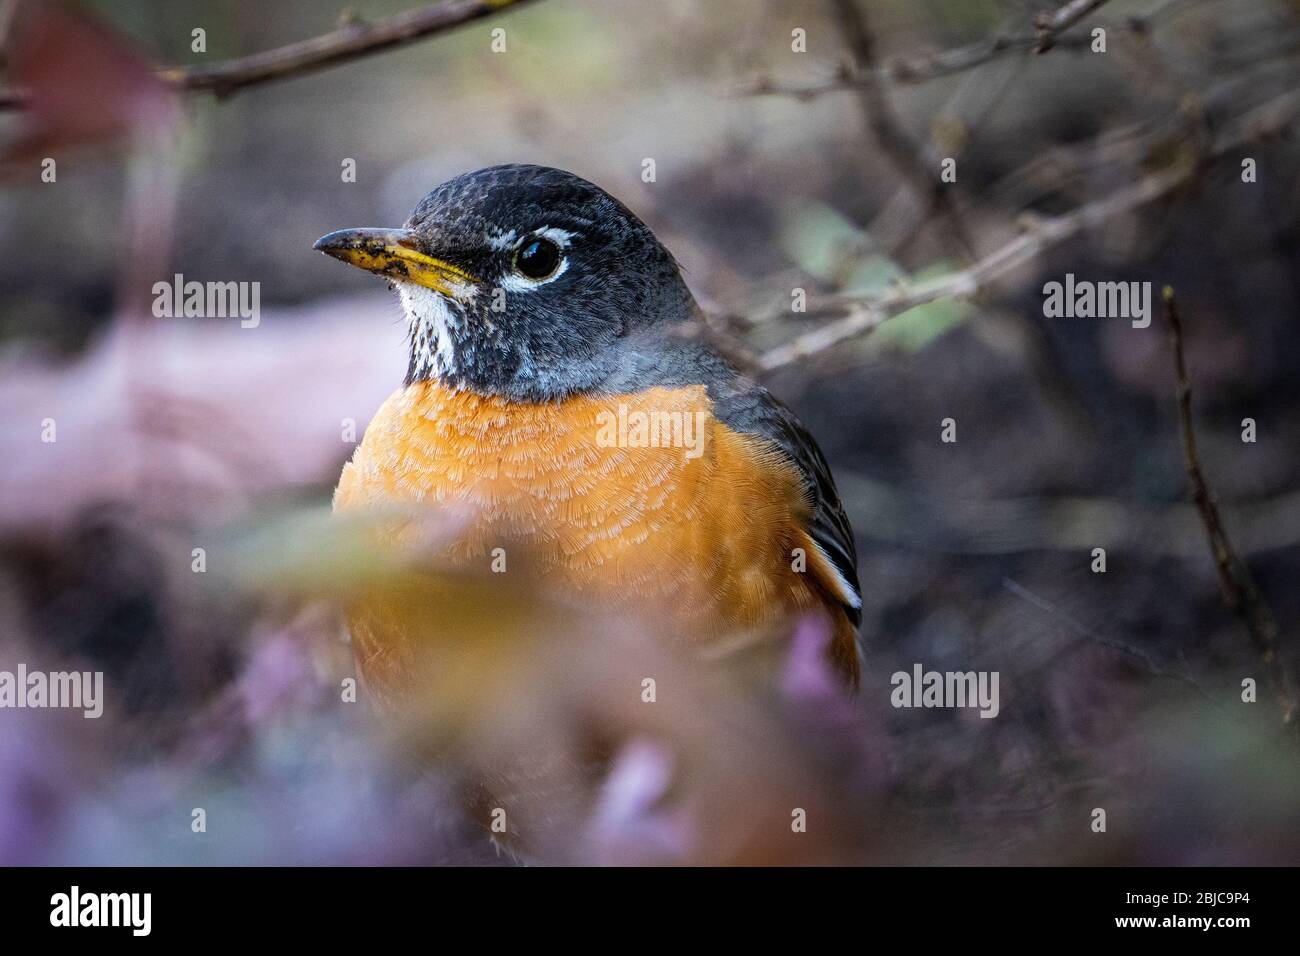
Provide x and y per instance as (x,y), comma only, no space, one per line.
(395,253)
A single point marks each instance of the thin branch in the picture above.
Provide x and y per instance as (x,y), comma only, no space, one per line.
(1060,168)
(913,69)
(954,525)
(352,41)
(865,313)
(924,67)
(1080,630)
(907,156)
(1048,26)
(1240,594)
(896,223)
(1232,592)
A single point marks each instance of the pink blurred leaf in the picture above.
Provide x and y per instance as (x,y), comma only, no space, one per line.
(633,820)
(82,81)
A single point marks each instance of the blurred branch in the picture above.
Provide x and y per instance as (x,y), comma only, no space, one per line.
(1048,26)
(948,524)
(7,9)
(350,42)
(1080,630)
(1058,169)
(356,39)
(923,67)
(1240,593)
(907,156)
(866,313)
(915,68)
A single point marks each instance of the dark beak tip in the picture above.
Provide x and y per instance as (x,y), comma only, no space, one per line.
(330,243)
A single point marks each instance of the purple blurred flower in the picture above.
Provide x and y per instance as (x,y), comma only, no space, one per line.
(633,824)
(278,677)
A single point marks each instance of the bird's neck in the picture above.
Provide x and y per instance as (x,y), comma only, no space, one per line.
(485,354)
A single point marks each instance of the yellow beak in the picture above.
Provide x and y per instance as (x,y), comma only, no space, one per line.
(395,253)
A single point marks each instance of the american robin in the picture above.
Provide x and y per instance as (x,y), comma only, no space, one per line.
(555,395)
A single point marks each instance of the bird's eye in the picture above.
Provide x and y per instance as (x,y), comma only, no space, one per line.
(537,259)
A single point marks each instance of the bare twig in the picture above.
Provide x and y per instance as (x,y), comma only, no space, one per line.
(353,40)
(865,313)
(924,67)
(945,523)
(913,69)
(7,9)
(898,223)
(1240,594)
(1060,168)
(1048,26)
(907,156)
(1131,650)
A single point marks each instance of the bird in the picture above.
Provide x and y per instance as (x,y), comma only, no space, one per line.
(558,394)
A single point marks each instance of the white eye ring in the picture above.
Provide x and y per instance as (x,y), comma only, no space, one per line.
(516,281)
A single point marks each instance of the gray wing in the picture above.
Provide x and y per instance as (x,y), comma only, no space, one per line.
(752,409)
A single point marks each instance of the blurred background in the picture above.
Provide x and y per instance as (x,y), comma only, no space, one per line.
(775,168)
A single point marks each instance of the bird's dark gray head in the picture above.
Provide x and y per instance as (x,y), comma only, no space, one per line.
(521,281)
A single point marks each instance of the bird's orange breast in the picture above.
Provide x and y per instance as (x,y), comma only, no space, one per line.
(620,499)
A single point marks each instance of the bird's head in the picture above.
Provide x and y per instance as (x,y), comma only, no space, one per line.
(520,281)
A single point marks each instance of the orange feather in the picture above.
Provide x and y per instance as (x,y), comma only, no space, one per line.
(710,539)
